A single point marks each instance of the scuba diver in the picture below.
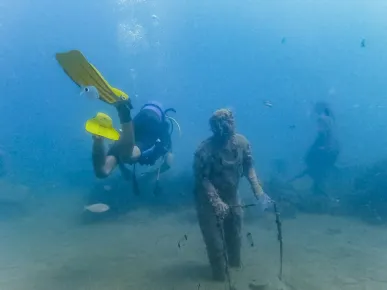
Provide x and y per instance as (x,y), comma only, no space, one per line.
(322,155)
(219,163)
(144,139)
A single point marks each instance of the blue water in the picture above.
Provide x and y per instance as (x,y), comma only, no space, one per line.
(195,56)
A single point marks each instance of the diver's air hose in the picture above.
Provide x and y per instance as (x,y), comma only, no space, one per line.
(173,121)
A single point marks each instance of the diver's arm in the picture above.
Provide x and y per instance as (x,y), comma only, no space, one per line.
(168,157)
(127,140)
(103,165)
(167,162)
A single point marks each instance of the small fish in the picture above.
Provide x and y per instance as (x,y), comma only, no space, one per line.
(283,40)
(268,104)
(292,127)
(97,208)
(90,92)
(363,43)
(107,187)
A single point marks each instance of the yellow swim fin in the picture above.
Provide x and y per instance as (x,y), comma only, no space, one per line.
(102,125)
(84,73)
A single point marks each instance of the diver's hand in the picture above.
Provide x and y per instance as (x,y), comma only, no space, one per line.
(160,150)
(127,103)
(97,138)
(150,156)
(123,108)
(264,201)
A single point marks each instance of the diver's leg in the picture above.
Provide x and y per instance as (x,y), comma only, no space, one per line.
(168,159)
(319,183)
(214,243)
(232,234)
(103,164)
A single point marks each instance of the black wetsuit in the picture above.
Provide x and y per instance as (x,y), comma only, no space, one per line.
(148,128)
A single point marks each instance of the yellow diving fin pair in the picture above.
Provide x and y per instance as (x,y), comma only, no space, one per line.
(85,74)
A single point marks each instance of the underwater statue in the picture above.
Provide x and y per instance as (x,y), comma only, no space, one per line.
(219,163)
(322,155)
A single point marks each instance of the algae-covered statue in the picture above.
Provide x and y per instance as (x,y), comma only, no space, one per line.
(321,157)
(323,153)
(219,163)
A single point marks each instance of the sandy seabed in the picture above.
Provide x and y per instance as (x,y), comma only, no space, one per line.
(51,249)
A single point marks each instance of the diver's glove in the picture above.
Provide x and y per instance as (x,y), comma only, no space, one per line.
(264,201)
(123,108)
(152,154)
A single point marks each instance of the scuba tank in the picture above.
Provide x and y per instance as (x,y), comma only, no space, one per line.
(165,116)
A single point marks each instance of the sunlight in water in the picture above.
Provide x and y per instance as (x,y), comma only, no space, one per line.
(131,34)
(124,3)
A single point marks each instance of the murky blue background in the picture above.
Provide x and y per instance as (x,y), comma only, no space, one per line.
(195,56)
(199,56)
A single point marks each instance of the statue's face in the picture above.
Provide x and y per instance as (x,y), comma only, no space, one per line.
(222,124)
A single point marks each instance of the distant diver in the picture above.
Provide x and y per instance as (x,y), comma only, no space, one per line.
(219,163)
(322,155)
(142,140)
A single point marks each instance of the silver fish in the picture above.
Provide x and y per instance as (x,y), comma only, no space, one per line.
(90,92)
(97,207)
(268,104)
